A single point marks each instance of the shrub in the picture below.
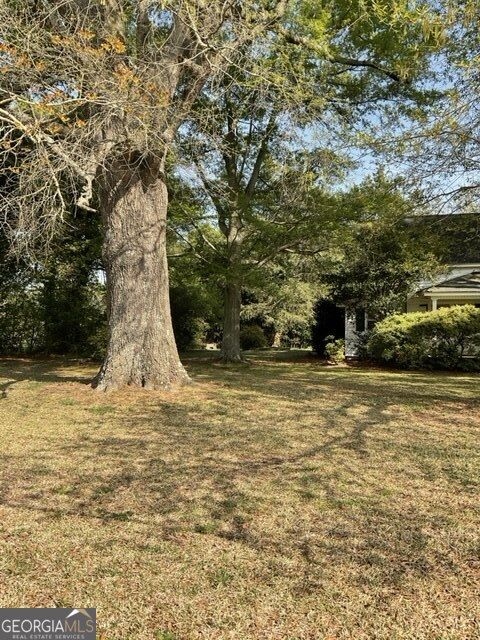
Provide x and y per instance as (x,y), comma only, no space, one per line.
(335,349)
(253,337)
(188,307)
(296,335)
(97,342)
(438,339)
(74,317)
(21,328)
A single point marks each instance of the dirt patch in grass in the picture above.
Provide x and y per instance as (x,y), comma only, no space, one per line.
(283,500)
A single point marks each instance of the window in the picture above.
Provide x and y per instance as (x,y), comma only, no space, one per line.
(360,319)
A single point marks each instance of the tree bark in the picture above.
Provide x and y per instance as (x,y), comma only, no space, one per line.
(141,347)
(233,232)
(231,351)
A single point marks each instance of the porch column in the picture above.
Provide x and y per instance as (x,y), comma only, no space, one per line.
(351,339)
(434,304)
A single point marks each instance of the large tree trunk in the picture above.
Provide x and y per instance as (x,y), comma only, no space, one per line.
(141,349)
(231,323)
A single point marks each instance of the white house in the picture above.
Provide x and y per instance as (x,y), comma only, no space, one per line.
(459,284)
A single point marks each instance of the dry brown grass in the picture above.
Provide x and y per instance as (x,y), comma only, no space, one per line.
(285,500)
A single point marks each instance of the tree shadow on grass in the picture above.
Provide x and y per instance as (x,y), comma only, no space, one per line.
(178,471)
(297,381)
(15,370)
(307,480)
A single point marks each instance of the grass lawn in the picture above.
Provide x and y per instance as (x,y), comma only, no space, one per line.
(283,500)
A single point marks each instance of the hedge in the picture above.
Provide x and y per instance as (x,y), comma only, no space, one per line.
(434,339)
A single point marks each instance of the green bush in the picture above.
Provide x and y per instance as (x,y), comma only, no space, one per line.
(74,316)
(436,339)
(335,349)
(297,335)
(96,346)
(253,337)
(186,306)
(21,327)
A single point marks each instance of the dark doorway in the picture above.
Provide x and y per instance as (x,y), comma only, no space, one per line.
(329,321)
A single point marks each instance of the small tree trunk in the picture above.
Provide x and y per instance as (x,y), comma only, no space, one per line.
(233,232)
(231,324)
(141,348)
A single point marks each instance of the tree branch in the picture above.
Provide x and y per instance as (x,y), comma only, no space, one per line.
(262,152)
(337,59)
